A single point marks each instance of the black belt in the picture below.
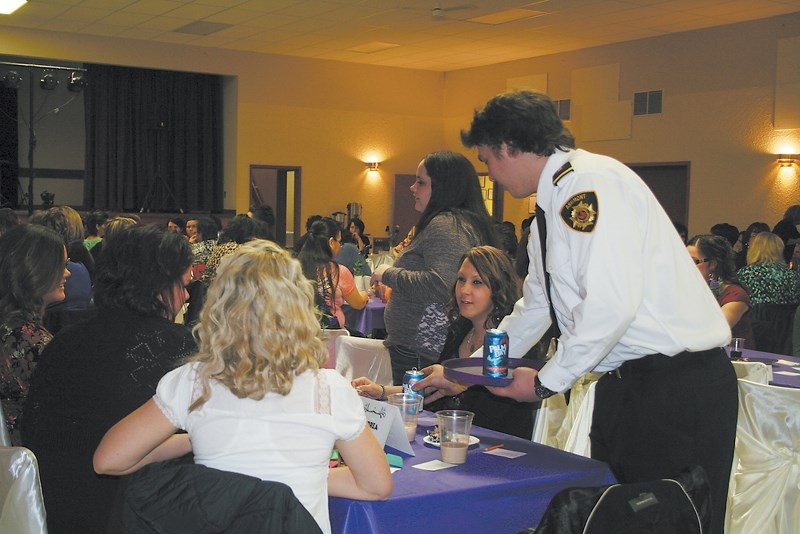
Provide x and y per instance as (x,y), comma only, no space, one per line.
(655,362)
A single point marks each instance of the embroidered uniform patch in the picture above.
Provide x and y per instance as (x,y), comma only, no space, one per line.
(580,212)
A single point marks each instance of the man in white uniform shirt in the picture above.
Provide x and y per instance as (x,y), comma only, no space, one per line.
(626,296)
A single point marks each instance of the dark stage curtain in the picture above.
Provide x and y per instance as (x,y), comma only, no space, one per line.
(153,140)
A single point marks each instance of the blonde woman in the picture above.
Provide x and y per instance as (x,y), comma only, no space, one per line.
(767,277)
(254,399)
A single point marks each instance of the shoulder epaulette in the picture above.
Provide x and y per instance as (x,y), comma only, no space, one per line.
(562,172)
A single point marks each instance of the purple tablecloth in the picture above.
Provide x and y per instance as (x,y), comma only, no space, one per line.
(782,374)
(487,494)
(366,319)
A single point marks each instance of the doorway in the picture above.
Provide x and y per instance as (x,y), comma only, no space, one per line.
(669,182)
(278,186)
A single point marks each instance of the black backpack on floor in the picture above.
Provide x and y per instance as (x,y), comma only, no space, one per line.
(682,504)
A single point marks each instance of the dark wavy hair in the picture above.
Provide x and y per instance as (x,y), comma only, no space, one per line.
(359,225)
(455,189)
(497,272)
(139,269)
(242,229)
(524,120)
(316,258)
(206,227)
(95,219)
(718,250)
(31,265)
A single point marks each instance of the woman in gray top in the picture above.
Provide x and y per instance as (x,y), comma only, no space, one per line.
(453,219)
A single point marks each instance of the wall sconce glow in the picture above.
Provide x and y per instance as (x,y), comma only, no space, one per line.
(372,166)
(787,160)
(7,7)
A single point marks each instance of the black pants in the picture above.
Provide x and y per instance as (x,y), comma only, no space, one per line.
(404,358)
(660,414)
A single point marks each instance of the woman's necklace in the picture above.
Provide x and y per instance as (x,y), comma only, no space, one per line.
(470,346)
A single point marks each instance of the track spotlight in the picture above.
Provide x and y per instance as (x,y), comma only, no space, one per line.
(77,81)
(11,79)
(48,82)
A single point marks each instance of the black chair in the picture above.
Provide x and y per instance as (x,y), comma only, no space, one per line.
(177,497)
(682,504)
(772,327)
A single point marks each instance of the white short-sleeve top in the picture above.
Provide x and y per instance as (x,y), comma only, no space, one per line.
(287,439)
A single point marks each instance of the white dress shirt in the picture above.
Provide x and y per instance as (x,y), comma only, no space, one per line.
(623,288)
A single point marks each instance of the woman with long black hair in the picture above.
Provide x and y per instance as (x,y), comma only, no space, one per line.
(334,283)
(453,219)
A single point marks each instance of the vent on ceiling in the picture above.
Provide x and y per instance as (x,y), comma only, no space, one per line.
(647,102)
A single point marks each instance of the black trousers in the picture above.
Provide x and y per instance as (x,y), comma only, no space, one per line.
(659,414)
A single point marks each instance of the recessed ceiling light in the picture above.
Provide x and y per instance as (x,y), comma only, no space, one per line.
(509,15)
(202,27)
(374,46)
(7,7)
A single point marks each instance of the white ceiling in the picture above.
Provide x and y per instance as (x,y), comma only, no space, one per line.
(406,32)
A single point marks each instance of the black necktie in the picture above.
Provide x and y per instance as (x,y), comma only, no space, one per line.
(541,224)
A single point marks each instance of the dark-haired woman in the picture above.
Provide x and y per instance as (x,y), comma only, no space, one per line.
(334,283)
(95,225)
(96,371)
(357,232)
(33,273)
(485,291)
(713,256)
(240,230)
(453,219)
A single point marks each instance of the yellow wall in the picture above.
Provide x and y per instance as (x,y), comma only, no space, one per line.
(323,116)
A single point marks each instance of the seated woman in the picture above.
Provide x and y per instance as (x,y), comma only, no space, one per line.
(334,283)
(98,370)
(68,224)
(254,400)
(485,291)
(202,233)
(361,241)
(32,268)
(713,256)
(95,225)
(240,229)
(766,276)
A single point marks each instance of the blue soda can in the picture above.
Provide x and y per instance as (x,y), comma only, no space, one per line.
(495,353)
(410,378)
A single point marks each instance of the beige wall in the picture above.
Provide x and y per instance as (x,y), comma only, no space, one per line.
(325,117)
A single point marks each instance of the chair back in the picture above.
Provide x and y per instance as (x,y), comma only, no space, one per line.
(764,489)
(753,371)
(5,437)
(331,334)
(21,504)
(361,356)
(772,327)
(555,418)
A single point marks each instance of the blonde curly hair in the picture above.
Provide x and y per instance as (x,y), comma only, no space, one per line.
(258,328)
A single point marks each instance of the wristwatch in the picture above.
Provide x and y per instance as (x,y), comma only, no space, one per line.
(541,391)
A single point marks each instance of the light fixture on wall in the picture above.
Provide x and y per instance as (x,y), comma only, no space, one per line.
(7,7)
(372,166)
(787,160)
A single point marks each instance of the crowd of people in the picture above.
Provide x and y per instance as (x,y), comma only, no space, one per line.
(125,385)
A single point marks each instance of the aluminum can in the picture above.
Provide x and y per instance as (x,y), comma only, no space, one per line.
(495,353)
(410,378)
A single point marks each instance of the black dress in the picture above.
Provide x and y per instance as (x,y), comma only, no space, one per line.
(90,376)
(496,413)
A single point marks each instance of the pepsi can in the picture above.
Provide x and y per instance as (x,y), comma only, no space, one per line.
(410,378)
(495,353)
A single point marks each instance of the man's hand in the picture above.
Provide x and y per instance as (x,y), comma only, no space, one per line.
(521,387)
